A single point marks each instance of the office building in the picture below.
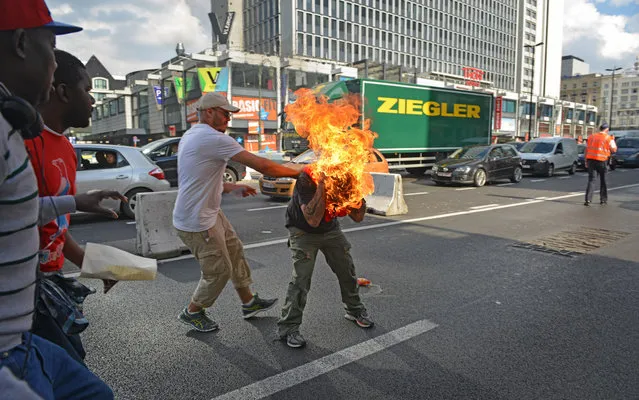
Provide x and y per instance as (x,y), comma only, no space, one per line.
(573,66)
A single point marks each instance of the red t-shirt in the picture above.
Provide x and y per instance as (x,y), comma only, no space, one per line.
(55,163)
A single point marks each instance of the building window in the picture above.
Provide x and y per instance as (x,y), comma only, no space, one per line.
(120,105)
(113,108)
(100,83)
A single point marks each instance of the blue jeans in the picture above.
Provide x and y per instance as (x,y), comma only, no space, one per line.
(52,373)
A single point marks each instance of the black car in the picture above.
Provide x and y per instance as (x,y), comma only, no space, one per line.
(479,164)
(164,153)
(581,157)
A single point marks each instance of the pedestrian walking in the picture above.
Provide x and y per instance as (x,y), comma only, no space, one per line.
(598,149)
(311,230)
(202,157)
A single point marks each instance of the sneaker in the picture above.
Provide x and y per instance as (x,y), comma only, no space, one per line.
(587,204)
(362,320)
(199,321)
(259,305)
(295,340)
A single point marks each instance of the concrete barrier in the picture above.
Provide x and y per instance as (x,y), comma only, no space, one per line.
(388,197)
(156,237)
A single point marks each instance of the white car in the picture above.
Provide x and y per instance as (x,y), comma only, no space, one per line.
(121,168)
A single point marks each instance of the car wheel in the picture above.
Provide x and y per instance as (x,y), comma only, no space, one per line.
(551,170)
(128,208)
(230,176)
(479,179)
(517,175)
(439,183)
(573,169)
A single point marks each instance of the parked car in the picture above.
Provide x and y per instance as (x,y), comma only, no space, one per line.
(545,156)
(164,153)
(627,154)
(283,187)
(478,165)
(581,156)
(121,168)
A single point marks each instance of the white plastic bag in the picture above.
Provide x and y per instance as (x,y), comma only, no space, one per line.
(106,262)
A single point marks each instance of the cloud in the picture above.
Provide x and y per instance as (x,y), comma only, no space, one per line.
(600,39)
(128,36)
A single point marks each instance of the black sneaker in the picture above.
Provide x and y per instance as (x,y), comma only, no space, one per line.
(198,321)
(295,340)
(362,320)
(603,203)
(587,204)
(259,305)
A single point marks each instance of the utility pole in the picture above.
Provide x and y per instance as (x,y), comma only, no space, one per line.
(612,90)
(532,86)
(259,106)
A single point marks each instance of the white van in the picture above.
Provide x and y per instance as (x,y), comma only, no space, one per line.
(544,156)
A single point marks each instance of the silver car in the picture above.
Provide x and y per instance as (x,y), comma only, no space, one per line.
(121,168)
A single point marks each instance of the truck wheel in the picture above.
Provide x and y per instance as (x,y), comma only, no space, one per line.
(517,175)
(417,171)
(573,169)
(551,170)
(479,179)
(230,176)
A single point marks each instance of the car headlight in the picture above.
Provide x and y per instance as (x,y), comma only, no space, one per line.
(542,160)
(434,168)
(285,179)
(463,170)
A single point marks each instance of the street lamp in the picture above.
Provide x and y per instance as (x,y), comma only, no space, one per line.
(532,85)
(613,70)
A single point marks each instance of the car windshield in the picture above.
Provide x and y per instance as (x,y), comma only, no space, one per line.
(628,143)
(149,147)
(470,152)
(537,147)
(306,157)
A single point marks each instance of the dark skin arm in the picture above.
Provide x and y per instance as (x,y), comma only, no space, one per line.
(72,250)
(314,210)
(357,214)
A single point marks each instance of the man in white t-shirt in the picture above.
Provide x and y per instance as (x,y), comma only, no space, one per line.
(202,156)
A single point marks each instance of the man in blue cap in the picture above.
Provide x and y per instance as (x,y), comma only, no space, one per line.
(27,41)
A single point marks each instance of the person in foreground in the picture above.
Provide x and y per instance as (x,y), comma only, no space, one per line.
(202,157)
(27,41)
(312,229)
(598,149)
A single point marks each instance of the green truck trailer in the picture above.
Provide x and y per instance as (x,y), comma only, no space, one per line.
(416,124)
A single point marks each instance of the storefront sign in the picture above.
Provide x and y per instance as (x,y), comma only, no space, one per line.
(251,109)
(208,78)
(498,105)
(191,111)
(473,76)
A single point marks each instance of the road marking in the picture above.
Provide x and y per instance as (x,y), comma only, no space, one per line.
(72,275)
(130,223)
(622,170)
(267,208)
(537,180)
(505,184)
(415,194)
(421,219)
(293,377)
(565,177)
(484,206)
(470,188)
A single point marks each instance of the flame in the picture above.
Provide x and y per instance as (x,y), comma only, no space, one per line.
(342,146)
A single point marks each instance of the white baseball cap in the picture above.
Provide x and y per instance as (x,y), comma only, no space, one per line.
(213,100)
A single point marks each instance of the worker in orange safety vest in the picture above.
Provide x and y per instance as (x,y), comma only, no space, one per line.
(598,150)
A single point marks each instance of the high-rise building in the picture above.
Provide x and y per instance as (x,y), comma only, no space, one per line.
(573,66)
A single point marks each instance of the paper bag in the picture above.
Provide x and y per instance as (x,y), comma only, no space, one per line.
(106,262)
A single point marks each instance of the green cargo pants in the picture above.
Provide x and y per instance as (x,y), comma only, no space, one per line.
(304,247)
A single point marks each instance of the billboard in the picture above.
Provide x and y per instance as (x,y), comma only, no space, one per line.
(251,109)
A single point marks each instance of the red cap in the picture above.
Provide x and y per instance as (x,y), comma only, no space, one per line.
(25,14)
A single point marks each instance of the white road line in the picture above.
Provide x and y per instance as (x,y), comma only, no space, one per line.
(421,219)
(470,188)
(267,208)
(622,170)
(565,177)
(293,377)
(484,206)
(415,194)
(72,275)
(505,184)
(537,180)
(130,223)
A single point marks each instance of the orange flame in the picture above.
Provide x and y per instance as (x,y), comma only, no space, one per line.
(343,147)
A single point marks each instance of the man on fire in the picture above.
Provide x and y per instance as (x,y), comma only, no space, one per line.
(311,218)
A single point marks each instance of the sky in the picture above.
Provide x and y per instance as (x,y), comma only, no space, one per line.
(129,35)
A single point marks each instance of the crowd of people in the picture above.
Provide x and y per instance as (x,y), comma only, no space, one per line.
(45,91)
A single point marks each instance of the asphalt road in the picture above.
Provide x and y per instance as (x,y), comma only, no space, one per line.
(461,313)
